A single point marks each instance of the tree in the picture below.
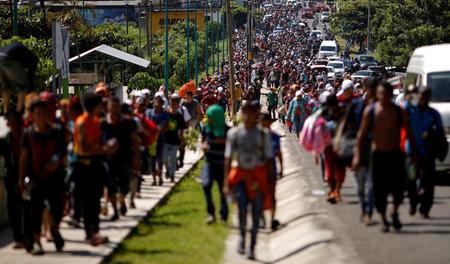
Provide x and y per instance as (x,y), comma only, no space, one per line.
(400,26)
(350,22)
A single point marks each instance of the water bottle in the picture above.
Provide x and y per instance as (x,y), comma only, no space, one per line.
(26,196)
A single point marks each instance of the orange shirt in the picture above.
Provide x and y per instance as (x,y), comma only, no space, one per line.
(93,132)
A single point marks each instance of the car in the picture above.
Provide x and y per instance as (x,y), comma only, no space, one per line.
(361,76)
(325,17)
(318,33)
(319,69)
(381,69)
(307,12)
(321,62)
(366,60)
(320,7)
(328,48)
(268,6)
(331,74)
(339,68)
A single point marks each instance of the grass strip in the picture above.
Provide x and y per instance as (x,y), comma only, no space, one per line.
(176,231)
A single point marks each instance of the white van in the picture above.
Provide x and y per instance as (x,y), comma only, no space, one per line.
(328,48)
(430,66)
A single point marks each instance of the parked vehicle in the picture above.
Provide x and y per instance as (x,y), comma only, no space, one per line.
(320,7)
(325,17)
(381,69)
(321,62)
(328,48)
(318,33)
(339,68)
(430,66)
(364,75)
(331,74)
(307,12)
(366,61)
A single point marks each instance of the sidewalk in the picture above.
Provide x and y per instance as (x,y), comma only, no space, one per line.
(75,251)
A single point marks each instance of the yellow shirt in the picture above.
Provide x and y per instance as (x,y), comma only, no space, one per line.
(238,93)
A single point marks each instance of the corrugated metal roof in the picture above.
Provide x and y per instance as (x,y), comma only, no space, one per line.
(118,54)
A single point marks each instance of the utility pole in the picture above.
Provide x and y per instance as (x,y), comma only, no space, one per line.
(217,37)
(196,56)
(166,58)
(212,38)
(249,41)
(368,27)
(188,75)
(147,29)
(223,34)
(151,37)
(231,59)
(206,36)
(16,24)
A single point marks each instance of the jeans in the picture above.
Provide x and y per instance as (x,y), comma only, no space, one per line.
(272,109)
(214,172)
(243,201)
(14,203)
(363,179)
(89,183)
(421,190)
(171,159)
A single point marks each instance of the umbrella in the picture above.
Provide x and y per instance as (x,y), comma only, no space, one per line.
(302,24)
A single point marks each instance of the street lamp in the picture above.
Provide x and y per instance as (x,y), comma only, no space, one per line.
(188,75)
(196,57)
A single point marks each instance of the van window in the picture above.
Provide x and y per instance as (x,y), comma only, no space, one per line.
(411,78)
(439,82)
(327,48)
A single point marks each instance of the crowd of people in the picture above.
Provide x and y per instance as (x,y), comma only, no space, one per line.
(64,156)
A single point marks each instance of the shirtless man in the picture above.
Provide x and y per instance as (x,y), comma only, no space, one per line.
(385,119)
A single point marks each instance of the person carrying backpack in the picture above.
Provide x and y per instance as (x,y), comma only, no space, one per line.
(426,124)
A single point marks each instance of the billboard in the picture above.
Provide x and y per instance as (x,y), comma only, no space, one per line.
(107,15)
(157,21)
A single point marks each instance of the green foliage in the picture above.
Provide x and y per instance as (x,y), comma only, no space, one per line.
(400,26)
(176,231)
(191,139)
(30,23)
(349,22)
(142,80)
(45,66)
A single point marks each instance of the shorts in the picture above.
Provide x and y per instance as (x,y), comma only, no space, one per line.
(118,178)
(13,75)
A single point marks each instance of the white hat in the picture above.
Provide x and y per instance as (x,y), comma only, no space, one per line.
(160,94)
(140,100)
(348,84)
(298,93)
(134,94)
(175,96)
(145,92)
(220,89)
(323,97)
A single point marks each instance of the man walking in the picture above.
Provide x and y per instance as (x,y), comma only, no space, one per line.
(385,119)
(251,144)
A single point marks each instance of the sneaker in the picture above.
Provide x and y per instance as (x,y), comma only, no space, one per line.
(424,216)
(396,222)
(115,217)
(172,179)
(154,183)
(385,227)
(37,250)
(59,242)
(241,246)
(275,224)
(123,209)
(90,241)
(210,219)
(160,181)
(132,205)
(251,254)
(412,210)
(100,239)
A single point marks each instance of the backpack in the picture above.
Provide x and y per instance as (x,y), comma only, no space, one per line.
(436,141)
